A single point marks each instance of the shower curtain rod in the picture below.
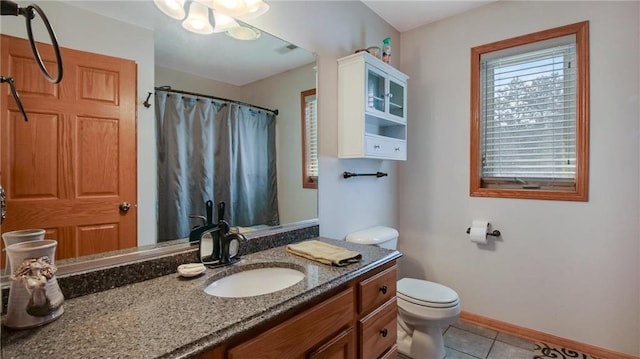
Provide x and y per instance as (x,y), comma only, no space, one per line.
(169,89)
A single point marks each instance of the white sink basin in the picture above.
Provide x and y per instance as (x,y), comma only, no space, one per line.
(254,282)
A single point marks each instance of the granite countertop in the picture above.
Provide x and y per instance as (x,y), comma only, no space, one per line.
(172,317)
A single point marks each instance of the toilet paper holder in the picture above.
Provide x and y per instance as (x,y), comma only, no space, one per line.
(495,233)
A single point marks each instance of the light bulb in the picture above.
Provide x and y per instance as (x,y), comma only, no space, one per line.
(172,8)
(233,8)
(255,8)
(198,19)
(223,22)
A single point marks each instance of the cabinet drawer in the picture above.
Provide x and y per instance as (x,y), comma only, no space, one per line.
(391,353)
(377,289)
(378,330)
(308,329)
(375,146)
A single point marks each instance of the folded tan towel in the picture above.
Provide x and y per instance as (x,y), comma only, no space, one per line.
(324,253)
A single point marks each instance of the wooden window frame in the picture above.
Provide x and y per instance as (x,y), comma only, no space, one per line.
(307,180)
(571,193)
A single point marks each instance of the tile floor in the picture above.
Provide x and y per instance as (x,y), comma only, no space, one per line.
(467,341)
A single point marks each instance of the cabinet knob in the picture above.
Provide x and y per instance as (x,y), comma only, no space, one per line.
(376,146)
(397,149)
(383,289)
(384,332)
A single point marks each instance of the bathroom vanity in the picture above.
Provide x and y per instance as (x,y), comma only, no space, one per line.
(337,312)
(359,321)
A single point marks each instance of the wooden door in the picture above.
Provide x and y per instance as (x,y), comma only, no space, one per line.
(69,167)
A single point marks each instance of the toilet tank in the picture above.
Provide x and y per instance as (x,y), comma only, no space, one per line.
(385,237)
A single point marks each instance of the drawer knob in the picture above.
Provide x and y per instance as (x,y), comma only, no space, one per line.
(384,332)
(376,146)
(383,289)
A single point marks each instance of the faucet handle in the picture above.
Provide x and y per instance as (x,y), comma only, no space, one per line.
(221,206)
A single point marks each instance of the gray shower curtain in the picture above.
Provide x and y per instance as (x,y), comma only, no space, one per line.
(213,150)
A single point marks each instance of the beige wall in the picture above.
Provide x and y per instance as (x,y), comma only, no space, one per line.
(568,269)
(179,80)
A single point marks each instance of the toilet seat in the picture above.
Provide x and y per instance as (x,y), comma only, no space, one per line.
(426,294)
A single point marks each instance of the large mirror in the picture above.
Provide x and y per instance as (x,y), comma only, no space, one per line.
(267,73)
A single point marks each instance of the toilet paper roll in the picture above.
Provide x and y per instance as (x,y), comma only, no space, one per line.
(478,232)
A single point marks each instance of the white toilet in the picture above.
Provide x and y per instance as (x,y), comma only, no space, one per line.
(424,308)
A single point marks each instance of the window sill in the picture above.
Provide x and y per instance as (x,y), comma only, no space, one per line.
(541,194)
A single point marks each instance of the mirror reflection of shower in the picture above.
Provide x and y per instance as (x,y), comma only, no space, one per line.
(217,149)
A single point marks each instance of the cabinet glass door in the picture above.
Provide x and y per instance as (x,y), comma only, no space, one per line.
(375,90)
(396,98)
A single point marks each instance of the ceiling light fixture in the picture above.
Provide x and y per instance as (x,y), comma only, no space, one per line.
(225,13)
(245,33)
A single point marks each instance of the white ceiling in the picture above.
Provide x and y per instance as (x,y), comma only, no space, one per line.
(222,58)
(407,15)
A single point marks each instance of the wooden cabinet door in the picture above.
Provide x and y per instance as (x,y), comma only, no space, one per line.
(69,167)
(342,346)
(294,338)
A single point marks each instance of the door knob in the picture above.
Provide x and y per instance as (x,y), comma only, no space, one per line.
(125,206)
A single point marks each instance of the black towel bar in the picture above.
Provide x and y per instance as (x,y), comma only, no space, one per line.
(351,174)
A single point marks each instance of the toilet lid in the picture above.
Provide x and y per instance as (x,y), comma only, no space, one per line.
(426,293)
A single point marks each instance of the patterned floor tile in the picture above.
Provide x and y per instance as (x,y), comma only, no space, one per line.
(543,350)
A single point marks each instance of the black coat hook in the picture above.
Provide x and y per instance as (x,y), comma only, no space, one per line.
(146,102)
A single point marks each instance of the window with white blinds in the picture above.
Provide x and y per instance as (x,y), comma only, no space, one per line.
(310,144)
(530,117)
(312,138)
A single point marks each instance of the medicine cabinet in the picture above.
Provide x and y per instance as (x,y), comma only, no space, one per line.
(372,109)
